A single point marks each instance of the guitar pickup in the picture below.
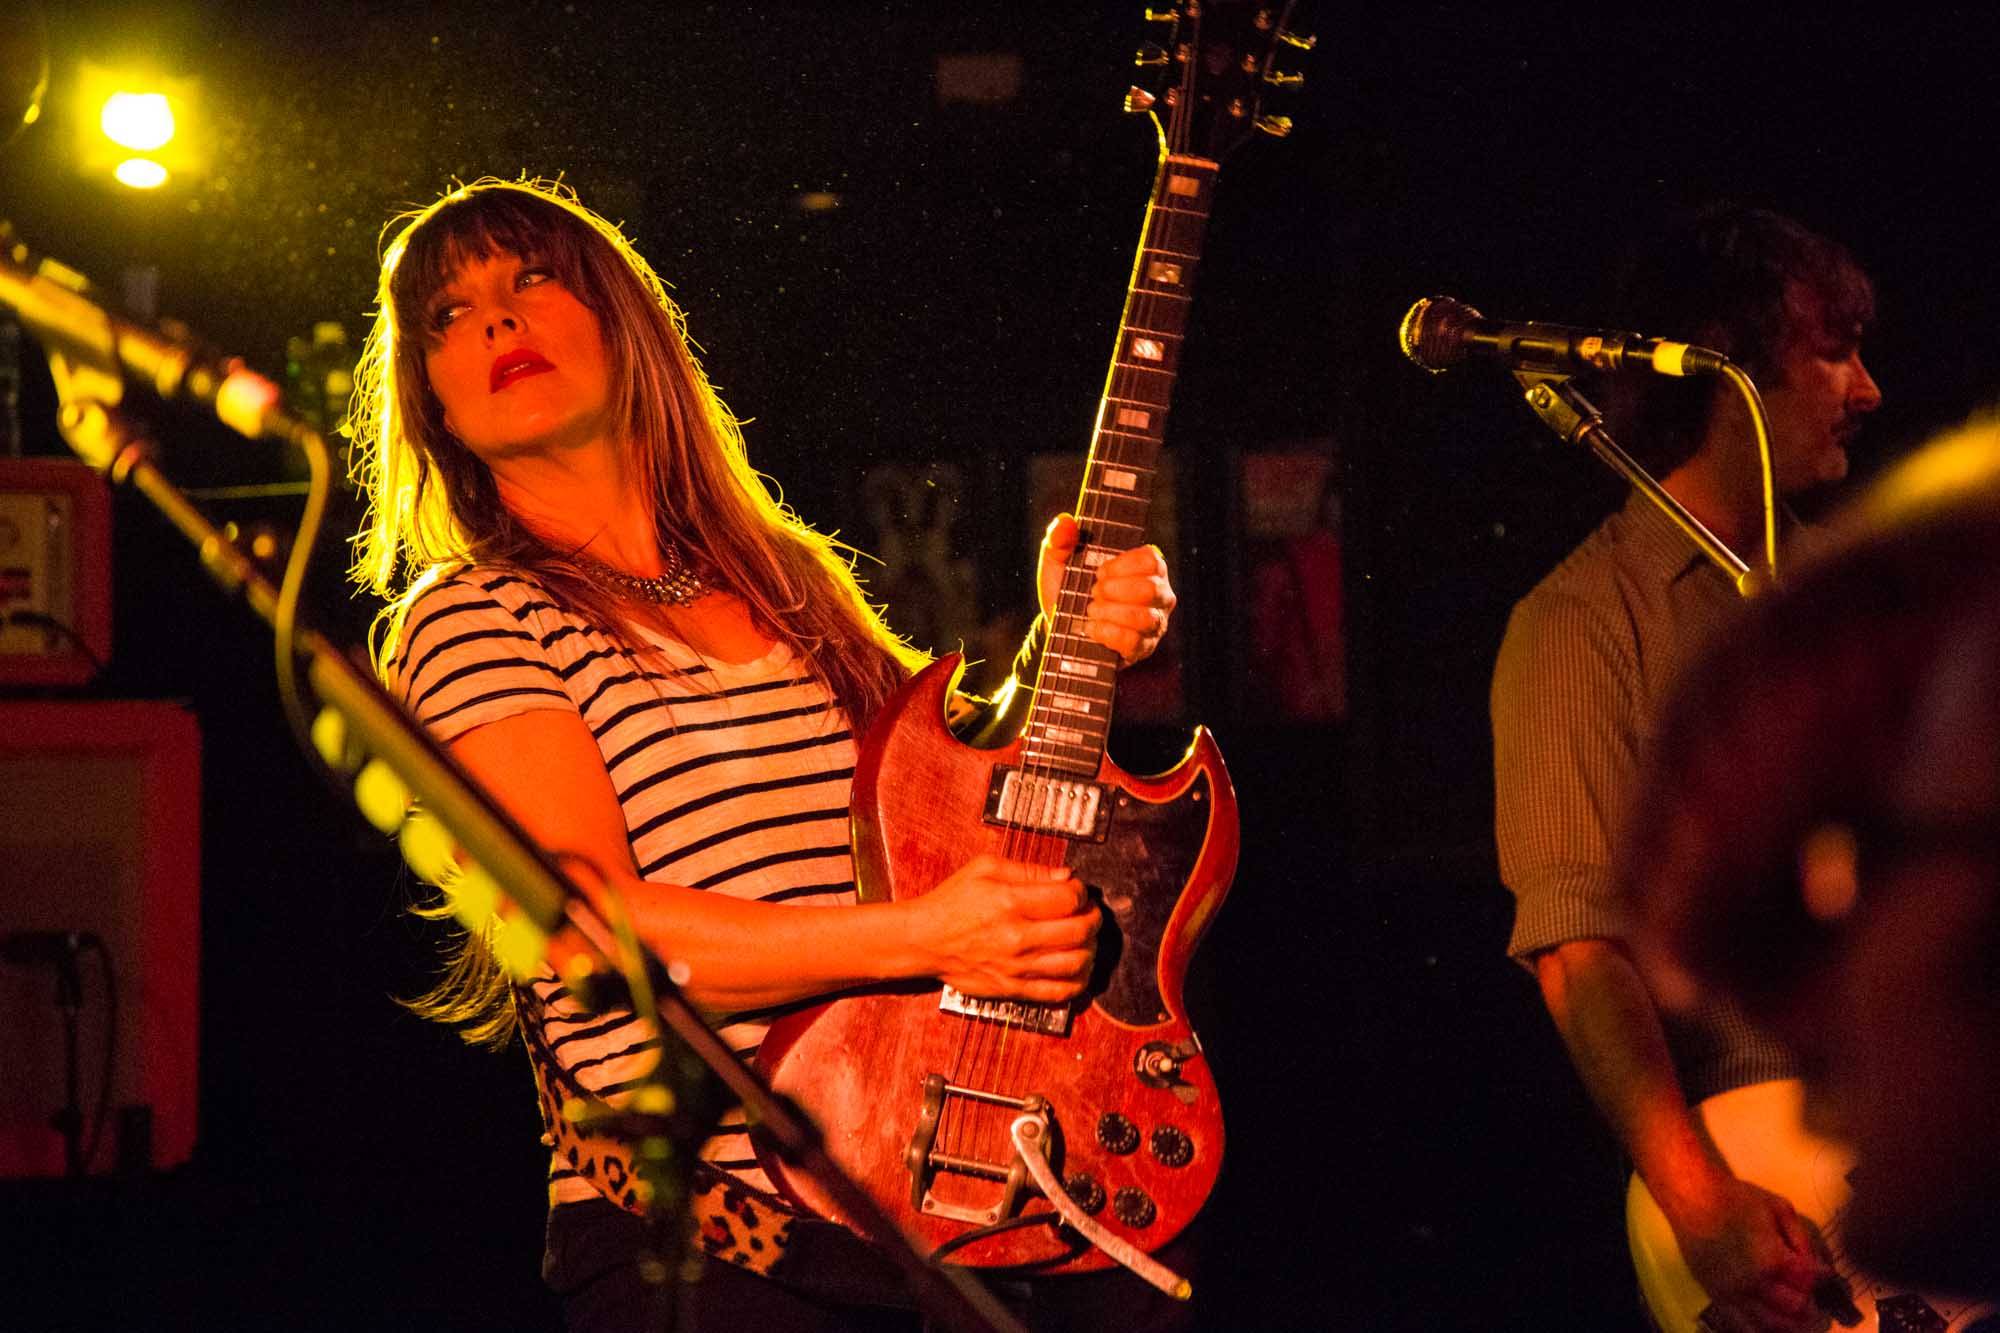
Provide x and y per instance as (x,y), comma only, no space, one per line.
(1073,808)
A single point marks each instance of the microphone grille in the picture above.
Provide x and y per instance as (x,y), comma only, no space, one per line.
(1433,332)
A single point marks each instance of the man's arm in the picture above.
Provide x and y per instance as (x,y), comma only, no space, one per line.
(1745,1245)
(1566,720)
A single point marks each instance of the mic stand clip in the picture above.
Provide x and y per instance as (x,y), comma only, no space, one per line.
(1574,419)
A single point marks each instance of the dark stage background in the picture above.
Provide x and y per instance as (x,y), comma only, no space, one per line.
(1408,1148)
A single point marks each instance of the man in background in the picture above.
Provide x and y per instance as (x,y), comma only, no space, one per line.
(1588,658)
(1819,837)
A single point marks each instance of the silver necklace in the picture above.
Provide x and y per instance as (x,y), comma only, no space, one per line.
(676,585)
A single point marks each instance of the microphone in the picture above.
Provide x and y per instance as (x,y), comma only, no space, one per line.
(1440,332)
(45,946)
(54,302)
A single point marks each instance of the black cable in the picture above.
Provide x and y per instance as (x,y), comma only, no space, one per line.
(42,621)
(964,1239)
(100,1117)
(284,617)
(69,1003)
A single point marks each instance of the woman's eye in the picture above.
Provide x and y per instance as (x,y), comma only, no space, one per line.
(533,277)
(445,315)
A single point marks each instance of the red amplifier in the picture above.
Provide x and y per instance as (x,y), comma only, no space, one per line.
(55,572)
(100,846)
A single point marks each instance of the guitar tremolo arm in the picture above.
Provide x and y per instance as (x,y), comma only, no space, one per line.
(1029,1135)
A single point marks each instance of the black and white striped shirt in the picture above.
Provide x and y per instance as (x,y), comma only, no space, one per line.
(733,778)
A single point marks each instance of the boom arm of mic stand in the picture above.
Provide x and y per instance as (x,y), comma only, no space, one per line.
(376,729)
(1575,420)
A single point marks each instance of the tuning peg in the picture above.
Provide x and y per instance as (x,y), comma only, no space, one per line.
(1150,57)
(1138,99)
(1275,126)
(1304,42)
(1279,79)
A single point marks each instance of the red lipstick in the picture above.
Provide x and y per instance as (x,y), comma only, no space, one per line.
(516,365)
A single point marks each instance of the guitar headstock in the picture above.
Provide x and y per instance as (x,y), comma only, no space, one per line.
(1216,65)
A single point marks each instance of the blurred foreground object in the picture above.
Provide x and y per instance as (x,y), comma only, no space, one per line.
(24,66)
(1819,838)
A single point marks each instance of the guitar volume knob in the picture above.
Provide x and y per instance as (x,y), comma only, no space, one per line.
(1134,1207)
(1116,1133)
(1089,1195)
(1172,1147)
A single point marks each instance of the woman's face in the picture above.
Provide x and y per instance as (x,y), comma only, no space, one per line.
(517,361)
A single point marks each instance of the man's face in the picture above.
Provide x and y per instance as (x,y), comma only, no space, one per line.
(1816,397)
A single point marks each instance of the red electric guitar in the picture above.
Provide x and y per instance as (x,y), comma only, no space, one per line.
(1063,1137)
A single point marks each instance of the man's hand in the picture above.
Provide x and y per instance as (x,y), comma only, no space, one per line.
(1131,601)
(1745,1245)
(1753,1255)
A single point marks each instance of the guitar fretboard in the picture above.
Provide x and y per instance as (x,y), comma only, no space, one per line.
(1071,714)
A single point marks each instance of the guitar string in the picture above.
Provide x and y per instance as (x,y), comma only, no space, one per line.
(1097,496)
(1024,843)
(992,1066)
(1012,1056)
(1094,506)
(1094,511)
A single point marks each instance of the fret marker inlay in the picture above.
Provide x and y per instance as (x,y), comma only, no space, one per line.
(1185,186)
(1163,272)
(1132,416)
(1148,349)
(1119,478)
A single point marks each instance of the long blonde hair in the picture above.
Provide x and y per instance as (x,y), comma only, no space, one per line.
(433,506)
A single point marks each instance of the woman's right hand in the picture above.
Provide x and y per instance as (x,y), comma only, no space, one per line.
(1001,929)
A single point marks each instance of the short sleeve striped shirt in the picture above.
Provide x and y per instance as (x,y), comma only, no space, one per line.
(733,778)
(1589,658)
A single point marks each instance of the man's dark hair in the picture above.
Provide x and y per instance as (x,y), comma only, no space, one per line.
(1729,277)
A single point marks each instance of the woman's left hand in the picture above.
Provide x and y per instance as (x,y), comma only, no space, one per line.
(1131,601)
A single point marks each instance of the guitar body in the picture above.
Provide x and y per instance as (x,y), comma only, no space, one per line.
(1761,1133)
(859,1065)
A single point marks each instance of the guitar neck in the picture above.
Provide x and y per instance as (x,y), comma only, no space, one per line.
(1070,717)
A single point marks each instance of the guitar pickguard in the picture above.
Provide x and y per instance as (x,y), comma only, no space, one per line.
(1137,873)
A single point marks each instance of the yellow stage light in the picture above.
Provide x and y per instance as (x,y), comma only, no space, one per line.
(140,173)
(138,121)
(120,115)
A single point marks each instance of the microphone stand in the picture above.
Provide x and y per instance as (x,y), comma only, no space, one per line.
(1575,420)
(365,734)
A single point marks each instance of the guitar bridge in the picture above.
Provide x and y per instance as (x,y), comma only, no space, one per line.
(1046,803)
(1050,1018)
(927,1165)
